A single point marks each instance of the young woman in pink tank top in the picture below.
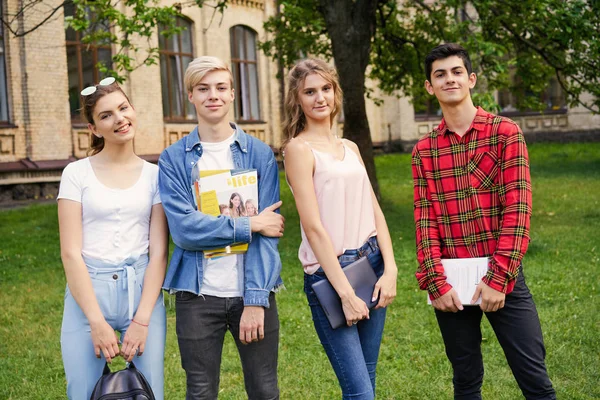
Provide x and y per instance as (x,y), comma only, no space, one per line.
(341,221)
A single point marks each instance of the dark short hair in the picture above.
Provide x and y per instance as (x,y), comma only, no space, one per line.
(444,51)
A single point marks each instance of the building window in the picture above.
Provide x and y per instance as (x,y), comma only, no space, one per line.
(426,106)
(175,55)
(3,86)
(553,97)
(82,62)
(245,73)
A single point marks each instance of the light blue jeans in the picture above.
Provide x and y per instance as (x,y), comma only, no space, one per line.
(116,287)
(352,350)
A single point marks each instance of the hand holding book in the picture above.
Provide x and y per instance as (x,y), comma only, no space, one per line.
(232,193)
(464,274)
(448,302)
(491,299)
(268,222)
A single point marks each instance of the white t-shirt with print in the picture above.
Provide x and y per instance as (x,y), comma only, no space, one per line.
(115,222)
(223,276)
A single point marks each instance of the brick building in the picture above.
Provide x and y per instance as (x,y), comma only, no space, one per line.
(42,73)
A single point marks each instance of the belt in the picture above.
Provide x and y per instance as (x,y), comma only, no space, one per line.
(127,266)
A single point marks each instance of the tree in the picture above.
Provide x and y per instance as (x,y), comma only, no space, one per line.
(387,40)
(103,21)
(383,40)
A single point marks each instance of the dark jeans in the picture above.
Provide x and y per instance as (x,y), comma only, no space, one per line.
(518,330)
(201,325)
(352,350)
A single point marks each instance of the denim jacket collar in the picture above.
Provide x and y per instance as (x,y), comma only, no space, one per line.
(193,139)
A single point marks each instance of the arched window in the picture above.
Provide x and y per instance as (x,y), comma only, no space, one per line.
(82,60)
(245,73)
(176,52)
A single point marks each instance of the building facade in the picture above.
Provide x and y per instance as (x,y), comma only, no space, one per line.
(42,73)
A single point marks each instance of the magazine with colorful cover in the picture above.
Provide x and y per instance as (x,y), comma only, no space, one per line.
(226,192)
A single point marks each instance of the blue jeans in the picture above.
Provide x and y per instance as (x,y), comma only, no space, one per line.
(112,285)
(352,350)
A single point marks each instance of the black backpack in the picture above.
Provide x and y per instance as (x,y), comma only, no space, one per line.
(127,384)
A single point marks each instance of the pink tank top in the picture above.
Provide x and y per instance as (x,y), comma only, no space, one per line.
(345,205)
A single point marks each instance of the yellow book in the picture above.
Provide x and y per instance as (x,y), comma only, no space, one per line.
(231,193)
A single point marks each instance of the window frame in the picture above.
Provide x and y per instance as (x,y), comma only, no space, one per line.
(563,109)
(77,119)
(430,103)
(168,53)
(4,102)
(244,94)
(434,111)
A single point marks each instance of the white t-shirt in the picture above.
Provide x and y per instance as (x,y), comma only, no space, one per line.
(223,276)
(116,222)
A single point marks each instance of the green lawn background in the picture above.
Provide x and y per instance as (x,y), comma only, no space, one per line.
(561,266)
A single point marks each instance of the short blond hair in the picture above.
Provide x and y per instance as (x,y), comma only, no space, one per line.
(201,66)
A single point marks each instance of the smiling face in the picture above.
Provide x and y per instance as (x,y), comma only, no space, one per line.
(225,211)
(212,97)
(450,81)
(114,119)
(250,208)
(235,201)
(317,98)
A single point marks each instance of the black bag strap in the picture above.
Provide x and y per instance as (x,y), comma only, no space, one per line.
(107,369)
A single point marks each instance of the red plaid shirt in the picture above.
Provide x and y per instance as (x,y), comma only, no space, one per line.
(472,199)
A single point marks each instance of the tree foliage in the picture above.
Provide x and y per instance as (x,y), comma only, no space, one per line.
(517,45)
(128,25)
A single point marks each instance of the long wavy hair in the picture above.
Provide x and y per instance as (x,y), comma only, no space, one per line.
(89,103)
(240,210)
(294,120)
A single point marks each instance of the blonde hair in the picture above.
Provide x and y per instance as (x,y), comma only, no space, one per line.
(201,66)
(294,120)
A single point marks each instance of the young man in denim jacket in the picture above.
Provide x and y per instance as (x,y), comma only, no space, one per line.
(235,292)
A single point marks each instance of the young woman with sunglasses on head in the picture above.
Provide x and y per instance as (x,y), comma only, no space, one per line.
(341,221)
(113,239)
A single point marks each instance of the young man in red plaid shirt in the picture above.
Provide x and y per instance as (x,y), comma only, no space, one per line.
(473,199)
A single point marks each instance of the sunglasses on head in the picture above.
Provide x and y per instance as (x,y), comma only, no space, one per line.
(92,89)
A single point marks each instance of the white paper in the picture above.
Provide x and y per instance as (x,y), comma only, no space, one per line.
(464,274)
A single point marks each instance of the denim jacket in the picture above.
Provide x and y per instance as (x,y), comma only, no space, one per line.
(193,231)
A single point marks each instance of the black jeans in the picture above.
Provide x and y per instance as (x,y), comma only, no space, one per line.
(201,325)
(517,327)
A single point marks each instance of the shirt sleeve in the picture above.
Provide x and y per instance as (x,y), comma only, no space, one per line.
(190,229)
(430,272)
(262,263)
(70,183)
(515,198)
(154,186)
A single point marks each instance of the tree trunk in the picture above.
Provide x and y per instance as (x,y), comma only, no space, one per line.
(351,26)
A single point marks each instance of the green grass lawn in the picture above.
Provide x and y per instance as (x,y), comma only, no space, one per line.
(561,266)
